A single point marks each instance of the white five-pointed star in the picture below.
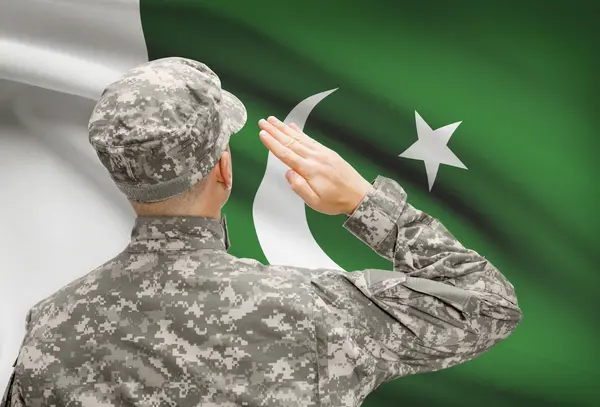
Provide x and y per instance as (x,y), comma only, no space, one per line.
(432,148)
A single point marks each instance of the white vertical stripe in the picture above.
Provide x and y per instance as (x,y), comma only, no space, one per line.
(60,215)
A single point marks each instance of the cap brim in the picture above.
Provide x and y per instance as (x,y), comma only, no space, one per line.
(233,113)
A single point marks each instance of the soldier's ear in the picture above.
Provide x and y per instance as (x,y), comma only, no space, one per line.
(223,169)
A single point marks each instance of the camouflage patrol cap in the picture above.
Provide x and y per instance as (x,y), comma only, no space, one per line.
(163,126)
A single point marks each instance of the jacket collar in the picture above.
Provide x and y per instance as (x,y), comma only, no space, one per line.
(178,233)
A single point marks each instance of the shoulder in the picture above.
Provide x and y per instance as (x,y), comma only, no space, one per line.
(84,287)
(280,269)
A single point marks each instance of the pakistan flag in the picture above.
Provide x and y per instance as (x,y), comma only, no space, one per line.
(486,113)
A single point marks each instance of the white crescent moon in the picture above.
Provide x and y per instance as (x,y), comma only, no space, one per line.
(280,215)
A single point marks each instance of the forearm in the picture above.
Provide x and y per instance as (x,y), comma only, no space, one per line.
(426,252)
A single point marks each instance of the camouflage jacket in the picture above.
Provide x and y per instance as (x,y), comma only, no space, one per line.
(174,320)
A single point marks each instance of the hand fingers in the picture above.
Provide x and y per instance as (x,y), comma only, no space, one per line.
(298,129)
(285,154)
(306,140)
(293,131)
(289,140)
(301,187)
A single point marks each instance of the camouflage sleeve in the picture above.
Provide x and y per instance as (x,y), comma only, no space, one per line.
(12,395)
(442,305)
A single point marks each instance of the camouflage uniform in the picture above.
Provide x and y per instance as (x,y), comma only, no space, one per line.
(174,320)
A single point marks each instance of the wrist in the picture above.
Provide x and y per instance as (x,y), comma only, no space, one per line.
(358,196)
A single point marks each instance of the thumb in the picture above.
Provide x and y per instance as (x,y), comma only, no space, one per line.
(289,176)
(301,187)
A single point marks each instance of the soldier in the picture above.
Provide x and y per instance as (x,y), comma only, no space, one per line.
(174,320)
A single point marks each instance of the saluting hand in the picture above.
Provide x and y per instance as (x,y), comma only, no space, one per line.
(319,175)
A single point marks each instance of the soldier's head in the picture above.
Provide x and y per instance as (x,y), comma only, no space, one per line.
(162,131)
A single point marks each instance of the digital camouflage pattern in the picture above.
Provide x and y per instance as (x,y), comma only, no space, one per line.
(163,126)
(174,320)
